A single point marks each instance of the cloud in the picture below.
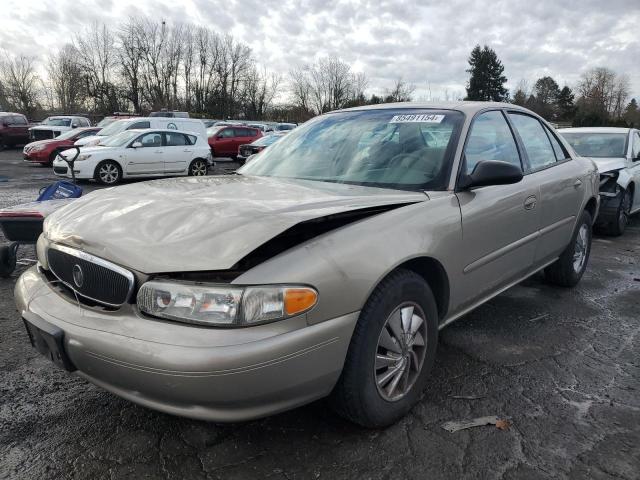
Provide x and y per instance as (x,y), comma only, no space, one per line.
(427,44)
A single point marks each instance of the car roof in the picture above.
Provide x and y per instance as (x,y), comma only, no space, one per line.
(166,130)
(595,130)
(461,106)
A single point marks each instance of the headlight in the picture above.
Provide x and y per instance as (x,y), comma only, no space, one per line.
(224,305)
(37,148)
(83,156)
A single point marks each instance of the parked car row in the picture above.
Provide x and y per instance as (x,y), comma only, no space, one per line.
(235,297)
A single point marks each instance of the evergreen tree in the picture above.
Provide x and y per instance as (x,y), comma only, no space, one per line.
(632,114)
(486,82)
(566,107)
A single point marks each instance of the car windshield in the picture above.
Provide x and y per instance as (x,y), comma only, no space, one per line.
(378,148)
(57,122)
(211,131)
(67,135)
(105,121)
(114,127)
(597,144)
(120,139)
(267,140)
(285,126)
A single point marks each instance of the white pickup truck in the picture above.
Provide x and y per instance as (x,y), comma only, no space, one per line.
(51,127)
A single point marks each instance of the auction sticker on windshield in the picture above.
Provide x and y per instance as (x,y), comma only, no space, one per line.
(422,118)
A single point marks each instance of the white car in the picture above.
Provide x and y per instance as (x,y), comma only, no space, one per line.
(616,152)
(183,124)
(138,153)
(51,127)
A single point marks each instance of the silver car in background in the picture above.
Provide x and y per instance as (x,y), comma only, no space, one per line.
(616,152)
(325,267)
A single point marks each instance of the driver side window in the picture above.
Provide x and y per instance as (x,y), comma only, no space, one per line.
(635,150)
(490,139)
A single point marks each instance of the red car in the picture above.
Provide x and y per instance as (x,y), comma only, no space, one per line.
(45,151)
(14,129)
(225,141)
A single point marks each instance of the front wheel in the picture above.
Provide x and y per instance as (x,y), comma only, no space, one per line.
(198,168)
(391,352)
(108,173)
(618,225)
(569,268)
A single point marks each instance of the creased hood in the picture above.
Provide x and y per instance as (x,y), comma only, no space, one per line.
(608,164)
(201,223)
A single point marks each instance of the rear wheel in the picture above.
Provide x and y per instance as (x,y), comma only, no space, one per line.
(198,168)
(391,352)
(108,173)
(569,268)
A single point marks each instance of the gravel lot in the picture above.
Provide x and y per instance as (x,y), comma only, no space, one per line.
(563,365)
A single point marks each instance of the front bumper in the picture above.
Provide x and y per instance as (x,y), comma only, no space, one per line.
(205,373)
(84,169)
(40,156)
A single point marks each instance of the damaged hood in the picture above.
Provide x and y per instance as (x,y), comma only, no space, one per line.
(202,223)
(609,164)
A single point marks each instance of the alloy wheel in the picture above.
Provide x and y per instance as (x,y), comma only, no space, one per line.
(108,173)
(625,210)
(401,351)
(198,168)
(581,247)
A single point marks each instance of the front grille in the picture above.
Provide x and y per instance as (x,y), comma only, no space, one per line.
(60,170)
(42,134)
(91,277)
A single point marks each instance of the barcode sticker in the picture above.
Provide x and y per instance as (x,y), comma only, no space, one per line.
(422,118)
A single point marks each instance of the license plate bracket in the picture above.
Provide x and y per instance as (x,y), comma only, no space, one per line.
(48,340)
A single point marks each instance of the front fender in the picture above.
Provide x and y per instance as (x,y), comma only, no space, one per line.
(624,178)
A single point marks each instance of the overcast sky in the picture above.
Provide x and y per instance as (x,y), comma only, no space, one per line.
(425,42)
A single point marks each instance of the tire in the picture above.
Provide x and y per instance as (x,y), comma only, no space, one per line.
(568,269)
(8,260)
(358,396)
(617,225)
(198,168)
(108,172)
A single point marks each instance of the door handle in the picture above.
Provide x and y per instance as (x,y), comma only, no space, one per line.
(577,183)
(530,203)
(158,151)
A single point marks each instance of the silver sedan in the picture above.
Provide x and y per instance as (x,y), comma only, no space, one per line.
(324,267)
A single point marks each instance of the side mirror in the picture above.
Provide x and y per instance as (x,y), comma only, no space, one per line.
(136,145)
(491,172)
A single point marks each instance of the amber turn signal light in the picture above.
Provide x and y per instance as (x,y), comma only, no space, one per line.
(298,300)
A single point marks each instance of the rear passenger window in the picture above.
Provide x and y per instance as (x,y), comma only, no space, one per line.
(176,139)
(535,141)
(242,132)
(490,139)
(192,139)
(561,153)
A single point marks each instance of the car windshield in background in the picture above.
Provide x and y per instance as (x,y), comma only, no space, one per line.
(120,139)
(401,149)
(66,135)
(213,130)
(58,122)
(599,145)
(105,121)
(267,140)
(114,127)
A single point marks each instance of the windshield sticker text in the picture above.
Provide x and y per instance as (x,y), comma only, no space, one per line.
(423,118)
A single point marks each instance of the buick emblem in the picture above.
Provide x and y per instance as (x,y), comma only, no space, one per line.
(78,275)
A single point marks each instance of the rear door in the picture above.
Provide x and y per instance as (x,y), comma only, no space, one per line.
(147,159)
(178,152)
(562,187)
(499,222)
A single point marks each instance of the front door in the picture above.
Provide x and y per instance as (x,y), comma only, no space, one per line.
(147,159)
(499,222)
(634,165)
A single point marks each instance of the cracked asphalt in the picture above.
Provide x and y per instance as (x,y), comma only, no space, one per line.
(562,365)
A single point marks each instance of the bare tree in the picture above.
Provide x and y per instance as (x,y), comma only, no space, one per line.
(401,91)
(20,82)
(96,56)
(601,91)
(130,57)
(65,79)
(260,89)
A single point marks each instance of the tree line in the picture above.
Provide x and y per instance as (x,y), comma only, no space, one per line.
(601,97)
(145,65)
